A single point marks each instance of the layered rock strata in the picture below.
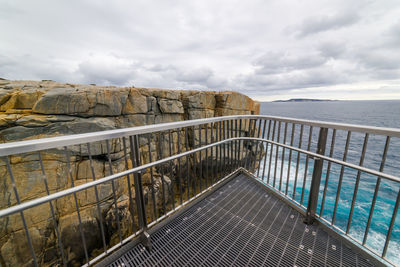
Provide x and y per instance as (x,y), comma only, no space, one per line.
(32,110)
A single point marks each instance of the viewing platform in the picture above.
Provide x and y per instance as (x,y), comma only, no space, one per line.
(243,190)
(238,223)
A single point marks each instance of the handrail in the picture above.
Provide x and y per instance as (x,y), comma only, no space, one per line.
(234,146)
(76,139)
(75,189)
(70,191)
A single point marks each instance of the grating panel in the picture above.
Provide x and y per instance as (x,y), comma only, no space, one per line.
(241,225)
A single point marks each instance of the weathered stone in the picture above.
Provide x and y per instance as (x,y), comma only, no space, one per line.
(63,109)
(33,121)
(234,100)
(4,96)
(22,99)
(171,106)
(16,251)
(124,217)
(82,101)
(163,118)
(72,239)
(134,120)
(194,114)
(107,101)
(161,93)
(69,101)
(229,112)
(136,103)
(202,100)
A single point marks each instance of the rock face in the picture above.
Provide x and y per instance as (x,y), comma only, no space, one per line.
(32,110)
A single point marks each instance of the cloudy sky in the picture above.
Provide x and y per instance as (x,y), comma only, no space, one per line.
(267,49)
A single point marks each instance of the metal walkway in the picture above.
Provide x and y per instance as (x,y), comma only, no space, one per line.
(239,224)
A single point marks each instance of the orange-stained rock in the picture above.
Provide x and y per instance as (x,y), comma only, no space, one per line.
(39,109)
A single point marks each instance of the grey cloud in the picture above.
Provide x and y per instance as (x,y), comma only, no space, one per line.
(107,71)
(324,23)
(201,76)
(206,45)
(276,62)
(332,49)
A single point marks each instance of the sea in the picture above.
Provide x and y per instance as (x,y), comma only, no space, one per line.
(370,113)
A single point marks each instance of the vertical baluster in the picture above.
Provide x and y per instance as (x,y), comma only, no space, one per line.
(207,172)
(200,161)
(214,161)
(277,152)
(187,164)
(250,148)
(53,216)
(364,149)
(194,162)
(140,203)
(236,145)
(271,149)
(128,177)
(171,170)
(256,142)
(160,156)
(306,167)
(28,237)
(298,161)
(97,199)
(341,177)
(228,147)
(168,169)
(262,144)
(114,191)
(290,159)
(328,173)
(378,182)
(76,205)
(178,135)
(389,233)
(221,159)
(240,144)
(224,146)
(232,146)
(316,177)
(283,156)
(153,197)
(266,149)
(246,165)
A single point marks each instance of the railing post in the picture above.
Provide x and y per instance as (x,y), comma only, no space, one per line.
(316,178)
(139,197)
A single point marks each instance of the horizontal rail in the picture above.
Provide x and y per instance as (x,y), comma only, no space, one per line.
(340,162)
(78,188)
(60,194)
(11,148)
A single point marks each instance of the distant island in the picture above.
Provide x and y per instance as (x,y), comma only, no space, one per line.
(304,100)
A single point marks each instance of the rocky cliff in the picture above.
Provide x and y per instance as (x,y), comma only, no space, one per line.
(31,110)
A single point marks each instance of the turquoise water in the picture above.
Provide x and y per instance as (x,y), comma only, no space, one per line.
(372,113)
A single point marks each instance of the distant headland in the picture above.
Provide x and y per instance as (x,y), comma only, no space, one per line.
(304,100)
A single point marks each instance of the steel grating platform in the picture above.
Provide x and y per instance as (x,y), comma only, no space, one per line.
(239,224)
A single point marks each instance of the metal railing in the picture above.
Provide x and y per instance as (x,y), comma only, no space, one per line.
(152,171)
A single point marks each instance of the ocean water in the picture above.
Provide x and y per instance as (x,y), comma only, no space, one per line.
(371,113)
